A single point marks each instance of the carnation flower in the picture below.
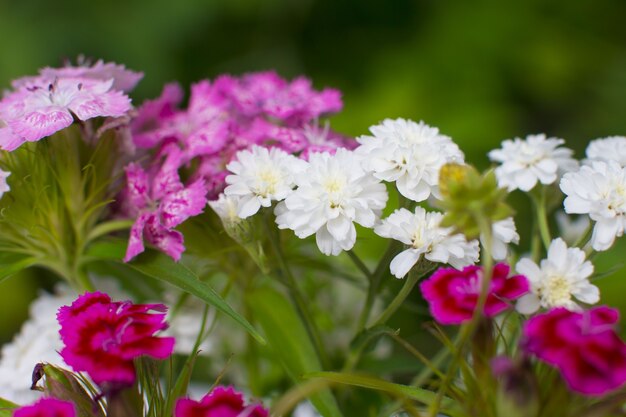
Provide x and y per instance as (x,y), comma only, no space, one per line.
(409,154)
(160,202)
(452,294)
(47,407)
(562,275)
(333,193)
(503,232)
(524,162)
(612,148)
(220,402)
(102,338)
(260,176)
(599,190)
(226,207)
(583,346)
(422,232)
(47,105)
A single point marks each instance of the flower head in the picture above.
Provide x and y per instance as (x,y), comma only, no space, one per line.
(503,233)
(524,162)
(333,193)
(47,407)
(260,176)
(422,232)
(599,190)
(220,402)
(583,346)
(562,275)
(612,148)
(409,154)
(47,105)
(102,337)
(452,294)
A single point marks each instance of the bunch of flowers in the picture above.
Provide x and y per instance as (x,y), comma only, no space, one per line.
(244,202)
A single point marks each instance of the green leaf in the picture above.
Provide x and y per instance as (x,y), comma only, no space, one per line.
(160,266)
(289,340)
(11,263)
(448,405)
(6,408)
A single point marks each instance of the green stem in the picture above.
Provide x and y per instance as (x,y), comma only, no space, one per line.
(542,219)
(399,299)
(359,264)
(301,305)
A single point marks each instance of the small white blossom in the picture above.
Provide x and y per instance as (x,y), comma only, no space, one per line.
(260,176)
(599,190)
(4,187)
(333,193)
(524,162)
(503,232)
(612,148)
(562,275)
(409,154)
(422,232)
(226,207)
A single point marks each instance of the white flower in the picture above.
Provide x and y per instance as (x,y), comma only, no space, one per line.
(333,192)
(226,207)
(421,231)
(503,232)
(612,148)
(37,341)
(598,189)
(562,275)
(4,187)
(526,161)
(409,153)
(261,176)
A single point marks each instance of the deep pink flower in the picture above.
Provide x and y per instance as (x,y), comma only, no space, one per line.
(102,337)
(220,402)
(160,202)
(453,294)
(584,346)
(47,105)
(47,407)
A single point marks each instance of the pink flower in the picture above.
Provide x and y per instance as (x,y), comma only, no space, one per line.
(48,105)
(47,407)
(102,337)
(584,346)
(220,402)
(453,294)
(160,202)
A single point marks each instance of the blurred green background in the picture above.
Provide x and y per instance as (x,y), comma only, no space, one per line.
(482,71)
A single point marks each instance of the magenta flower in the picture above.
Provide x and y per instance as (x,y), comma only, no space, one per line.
(45,105)
(47,407)
(220,402)
(453,294)
(102,337)
(160,202)
(583,346)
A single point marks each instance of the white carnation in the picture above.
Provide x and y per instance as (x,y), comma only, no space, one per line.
(599,190)
(260,176)
(409,154)
(612,148)
(226,207)
(422,232)
(333,193)
(524,162)
(503,232)
(562,275)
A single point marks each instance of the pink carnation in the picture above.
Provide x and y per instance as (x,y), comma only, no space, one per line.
(102,337)
(47,105)
(584,346)
(47,407)
(220,402)
(453,294)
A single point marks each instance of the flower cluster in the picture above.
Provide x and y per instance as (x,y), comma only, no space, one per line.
(102,337)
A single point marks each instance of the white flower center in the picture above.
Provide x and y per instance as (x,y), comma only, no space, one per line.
(268,180)
(334,187)
(556,291)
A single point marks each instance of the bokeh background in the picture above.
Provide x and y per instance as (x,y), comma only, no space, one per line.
(481,71)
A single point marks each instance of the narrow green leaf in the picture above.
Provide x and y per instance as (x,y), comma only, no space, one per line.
(448,405)
(163,268)
(290,341)
(6,408)
(11,263)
